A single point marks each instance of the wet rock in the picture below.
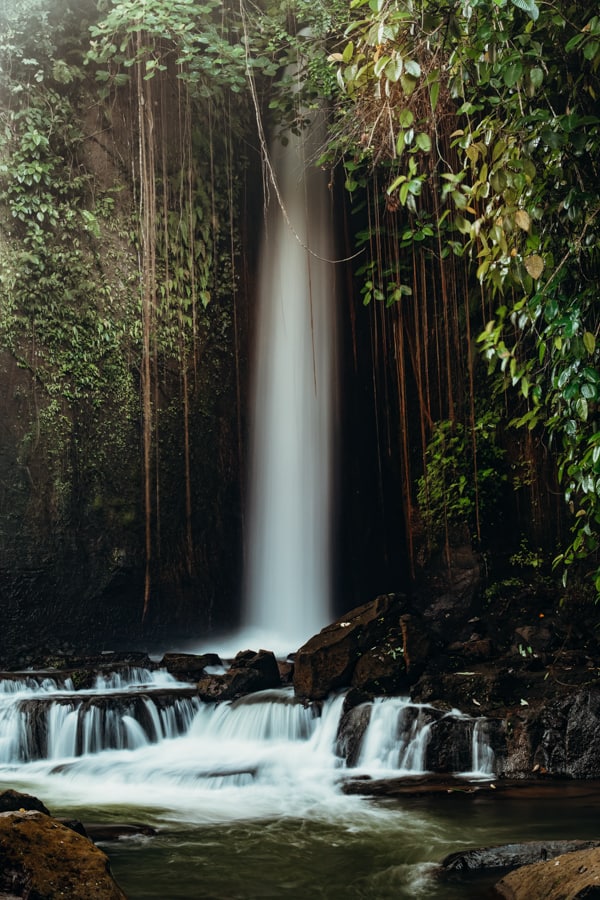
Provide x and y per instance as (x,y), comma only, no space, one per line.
(475,649)
(559,739)
(533,638)
(328,660)
(354,697)
(43,859)
(113,832)
(13,801)
(571,876)
(508,856)
(475,690)
(381,670)
(449,584)
(37,712)
(189,666)
(249,672)
(450,745)
(286,671)
(570,743)
(443,787)
(351,731)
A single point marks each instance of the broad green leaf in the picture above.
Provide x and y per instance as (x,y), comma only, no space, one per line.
(413,68)
(380,65)
(406,118)
(528,6)
(393,70)
(408,83)
(512,73)
(589,342)
(536,76)
(434,93)
(582,408)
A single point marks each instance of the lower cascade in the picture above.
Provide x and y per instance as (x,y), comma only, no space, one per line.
(253,754)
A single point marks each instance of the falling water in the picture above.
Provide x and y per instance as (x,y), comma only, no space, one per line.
(288,582)
(139,745)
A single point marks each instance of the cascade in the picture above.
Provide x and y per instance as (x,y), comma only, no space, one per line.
(292,412)
(139,728)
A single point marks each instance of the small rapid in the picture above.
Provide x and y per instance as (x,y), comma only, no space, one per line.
(143,738)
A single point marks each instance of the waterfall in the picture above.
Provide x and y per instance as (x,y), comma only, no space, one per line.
(262,755)
(292,411)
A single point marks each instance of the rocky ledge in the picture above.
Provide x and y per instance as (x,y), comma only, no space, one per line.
(42,858)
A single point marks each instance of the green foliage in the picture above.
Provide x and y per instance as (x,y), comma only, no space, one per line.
(526,557)
(64,321)
(535,160)
(455,486)
(206,49)
(516,192)
(47,293)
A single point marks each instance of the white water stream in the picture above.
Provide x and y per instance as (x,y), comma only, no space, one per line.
(247,797)
(293,410)
(141,738)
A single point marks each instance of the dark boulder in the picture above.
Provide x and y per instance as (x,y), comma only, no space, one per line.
(508,856)
(449,584)
(329,659)
(42,859)
(189,666)
(450,745)
(476,649)
(570,742)
(249,672)
(380,670)
(560,738)
(351,732)
(13,801)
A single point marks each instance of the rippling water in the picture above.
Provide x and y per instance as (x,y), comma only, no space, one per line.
(246,797)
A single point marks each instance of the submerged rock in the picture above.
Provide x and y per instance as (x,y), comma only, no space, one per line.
(42,859)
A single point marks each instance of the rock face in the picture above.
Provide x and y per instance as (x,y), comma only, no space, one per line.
(560,738)
(376,647)
(249,672)
(42,859)
(572,876)
(535,725)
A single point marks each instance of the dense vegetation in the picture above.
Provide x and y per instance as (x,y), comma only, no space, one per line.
(466,137)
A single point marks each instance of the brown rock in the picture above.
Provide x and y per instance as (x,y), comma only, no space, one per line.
(42,859)
(572,876)
(189,666)
(380,670)
(475,649)
(328,659)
